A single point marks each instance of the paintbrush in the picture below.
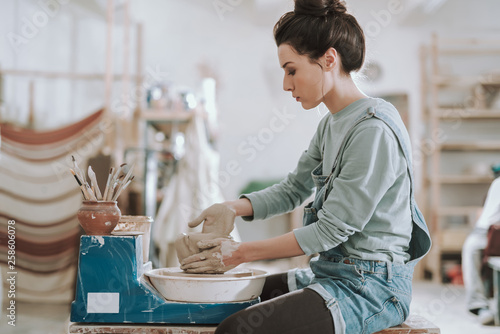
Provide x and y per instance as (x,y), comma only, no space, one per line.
(117,182)
(118,192)
(114,178)
(108,182)
(126,178)
(78,170)
(93,183)
(112,183)
(130,170)
(82,188)
(90,192)
(118,171)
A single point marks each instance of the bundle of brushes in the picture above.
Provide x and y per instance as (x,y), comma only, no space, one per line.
(115,184)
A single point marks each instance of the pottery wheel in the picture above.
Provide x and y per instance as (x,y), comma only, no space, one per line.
(222,276)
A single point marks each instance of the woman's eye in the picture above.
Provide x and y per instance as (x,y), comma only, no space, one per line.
(291,72)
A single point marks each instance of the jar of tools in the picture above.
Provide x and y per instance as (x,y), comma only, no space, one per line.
(98,217)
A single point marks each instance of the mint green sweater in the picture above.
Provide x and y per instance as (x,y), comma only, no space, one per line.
(367,210)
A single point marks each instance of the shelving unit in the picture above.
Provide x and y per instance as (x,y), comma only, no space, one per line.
(163,121)
(457,178)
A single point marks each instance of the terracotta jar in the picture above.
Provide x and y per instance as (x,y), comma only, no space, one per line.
(99,218)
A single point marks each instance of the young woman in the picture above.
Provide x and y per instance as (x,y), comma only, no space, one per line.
(363,222)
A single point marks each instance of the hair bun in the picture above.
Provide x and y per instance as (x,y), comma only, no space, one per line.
(319,7)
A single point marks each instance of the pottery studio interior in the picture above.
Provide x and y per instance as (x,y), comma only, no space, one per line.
(249,166)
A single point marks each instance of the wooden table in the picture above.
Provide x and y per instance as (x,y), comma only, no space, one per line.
(494,263)
(82,328)
(413,325)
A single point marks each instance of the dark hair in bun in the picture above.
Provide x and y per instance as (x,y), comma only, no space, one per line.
(317,25)
(319,8)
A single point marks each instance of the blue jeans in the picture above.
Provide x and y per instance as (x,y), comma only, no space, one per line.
(362,296)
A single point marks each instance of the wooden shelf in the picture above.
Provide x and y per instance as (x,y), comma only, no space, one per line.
(452,240)
(462,113)
(451,223)
(456,80)
(167,116)
(66,75)
(455,51)
(454,211)
(467,42)
(486,145)
(464,179)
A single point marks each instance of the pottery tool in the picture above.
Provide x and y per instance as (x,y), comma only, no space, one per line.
(108,183)
(116,184)
(111,190)
(118,192)
(126,179)
(118,171)
(93,182)
(90,192)
(78,170)
(82,188)
(112,184)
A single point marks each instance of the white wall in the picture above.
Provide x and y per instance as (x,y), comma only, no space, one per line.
(244,58)
(55,37)
(179,35)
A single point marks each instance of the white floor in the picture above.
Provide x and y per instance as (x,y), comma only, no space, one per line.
(442,305)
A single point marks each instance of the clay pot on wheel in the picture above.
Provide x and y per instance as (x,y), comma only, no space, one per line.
(98,218)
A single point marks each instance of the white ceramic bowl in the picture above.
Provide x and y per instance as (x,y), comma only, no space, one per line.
(233,286)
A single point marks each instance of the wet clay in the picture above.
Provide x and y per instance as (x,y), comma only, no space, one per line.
(186,244)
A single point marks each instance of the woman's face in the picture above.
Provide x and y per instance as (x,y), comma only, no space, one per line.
(302,78)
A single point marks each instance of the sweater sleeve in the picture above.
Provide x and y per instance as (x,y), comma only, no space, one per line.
(366,173)
(294,189)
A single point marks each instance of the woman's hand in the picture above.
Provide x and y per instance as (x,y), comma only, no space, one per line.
(217,256)
(218,219)
(186,244)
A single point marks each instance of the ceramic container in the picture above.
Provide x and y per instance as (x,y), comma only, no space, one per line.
(233,286)
(133,225)
(98,218)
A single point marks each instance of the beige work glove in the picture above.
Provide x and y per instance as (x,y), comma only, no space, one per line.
(218,220)
(217,257)
(186,244)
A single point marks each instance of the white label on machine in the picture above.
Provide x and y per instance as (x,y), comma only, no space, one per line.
(105,302)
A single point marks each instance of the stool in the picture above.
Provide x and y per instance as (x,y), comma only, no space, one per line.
(414,324)
(494,263)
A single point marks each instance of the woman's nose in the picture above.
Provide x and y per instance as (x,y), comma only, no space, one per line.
(287,85)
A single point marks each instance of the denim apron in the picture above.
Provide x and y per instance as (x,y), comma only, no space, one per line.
(363,296)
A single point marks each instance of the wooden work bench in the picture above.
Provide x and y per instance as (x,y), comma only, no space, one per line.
(413,325)
(494,263)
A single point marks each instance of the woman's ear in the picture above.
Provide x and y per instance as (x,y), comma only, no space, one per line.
(330,59)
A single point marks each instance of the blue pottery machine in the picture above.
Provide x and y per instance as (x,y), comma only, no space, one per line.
(110,288)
